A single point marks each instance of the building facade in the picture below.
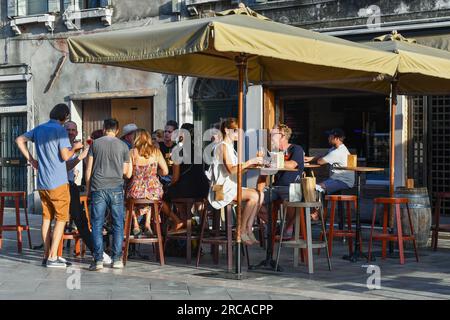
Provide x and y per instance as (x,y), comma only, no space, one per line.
(35,74)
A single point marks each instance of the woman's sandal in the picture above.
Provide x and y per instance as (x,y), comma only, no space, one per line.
(179,228)
(246,239)
(252,237)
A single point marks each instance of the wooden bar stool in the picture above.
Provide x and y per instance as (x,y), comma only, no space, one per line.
(219,237)
(184,207)
(156,219)
(437,226)
(18,227)
(347,200)
(385,235)
(297,243)
(80,246)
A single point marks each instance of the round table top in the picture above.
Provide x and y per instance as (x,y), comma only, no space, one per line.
(360,169)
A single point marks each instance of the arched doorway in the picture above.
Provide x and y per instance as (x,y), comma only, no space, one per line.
(214,100)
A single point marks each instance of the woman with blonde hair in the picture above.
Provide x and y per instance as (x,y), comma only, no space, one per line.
(223,171)
(146,162)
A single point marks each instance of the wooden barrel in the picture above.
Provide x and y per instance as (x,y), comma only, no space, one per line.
(420,210)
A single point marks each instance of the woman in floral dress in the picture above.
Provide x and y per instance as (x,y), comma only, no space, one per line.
(147,162)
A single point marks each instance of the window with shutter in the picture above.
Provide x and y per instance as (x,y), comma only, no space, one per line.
(54,5)
(12,8)
(36,7)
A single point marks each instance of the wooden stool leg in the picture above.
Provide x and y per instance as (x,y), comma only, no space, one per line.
(60,247)
(349,227)
(159,235)
(296,236)
(216,230)
(2,208)
(412,232)
(128,219)
(304,252)
(77,246)
(203,224)
(26,220)
(18,225)
(435,236)
(188,233)
(399,233)
(374,215)
(229,232)
(385,226)
(331,230)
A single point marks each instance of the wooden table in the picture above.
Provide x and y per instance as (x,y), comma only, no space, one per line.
(358,170)
(269,263)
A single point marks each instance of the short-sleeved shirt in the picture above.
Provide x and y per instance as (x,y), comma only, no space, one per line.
(110,154)
(285,178)
(165,150)
(337,157)
(50,138)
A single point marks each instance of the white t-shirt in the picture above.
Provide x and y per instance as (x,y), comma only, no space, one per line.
(337,157)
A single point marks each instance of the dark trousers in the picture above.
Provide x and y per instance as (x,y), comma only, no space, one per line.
(79,217)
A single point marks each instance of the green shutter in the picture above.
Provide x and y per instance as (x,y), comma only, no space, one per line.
(54,5)
(12,8)
(22,8)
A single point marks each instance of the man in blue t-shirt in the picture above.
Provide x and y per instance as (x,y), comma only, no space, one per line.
(293,159)
(53,149)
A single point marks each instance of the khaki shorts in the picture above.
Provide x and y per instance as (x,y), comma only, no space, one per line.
(56,203)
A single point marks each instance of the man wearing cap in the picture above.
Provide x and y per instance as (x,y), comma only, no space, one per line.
(336,157)
(128,134)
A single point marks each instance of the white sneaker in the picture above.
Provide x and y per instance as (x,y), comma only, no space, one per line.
(106,259)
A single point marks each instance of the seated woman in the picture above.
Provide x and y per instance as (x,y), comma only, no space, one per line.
(223,172)
(188,179)
(146,161)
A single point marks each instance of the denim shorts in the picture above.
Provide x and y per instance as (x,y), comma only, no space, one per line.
(332,186)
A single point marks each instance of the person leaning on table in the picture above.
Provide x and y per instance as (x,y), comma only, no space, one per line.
(336,157)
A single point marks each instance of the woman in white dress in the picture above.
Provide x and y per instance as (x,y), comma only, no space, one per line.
(223,172)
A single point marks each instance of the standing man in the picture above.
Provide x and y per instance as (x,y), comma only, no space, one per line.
(53,149)
(76,211)
(108,162)
(293,159)
(128,134)
(336,157)
(166,149)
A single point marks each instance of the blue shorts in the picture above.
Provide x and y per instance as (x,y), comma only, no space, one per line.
(278,193)
(332,186)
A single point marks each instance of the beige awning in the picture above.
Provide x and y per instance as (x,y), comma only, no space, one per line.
(277,53)
(421,69)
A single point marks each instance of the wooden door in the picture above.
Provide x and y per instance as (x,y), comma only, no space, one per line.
(136,110)
(94,113)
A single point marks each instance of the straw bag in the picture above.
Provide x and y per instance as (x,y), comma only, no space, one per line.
(309,187)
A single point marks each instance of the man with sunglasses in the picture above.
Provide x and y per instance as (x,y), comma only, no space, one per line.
(53,149)
(293,159)
(166,148)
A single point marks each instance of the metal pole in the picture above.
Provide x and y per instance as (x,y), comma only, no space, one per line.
(241,63)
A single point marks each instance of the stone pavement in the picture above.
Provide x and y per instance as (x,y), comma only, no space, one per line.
(22,277)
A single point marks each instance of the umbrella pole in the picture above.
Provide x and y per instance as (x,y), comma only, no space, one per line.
(241,63)
(392,158)
(392,144)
